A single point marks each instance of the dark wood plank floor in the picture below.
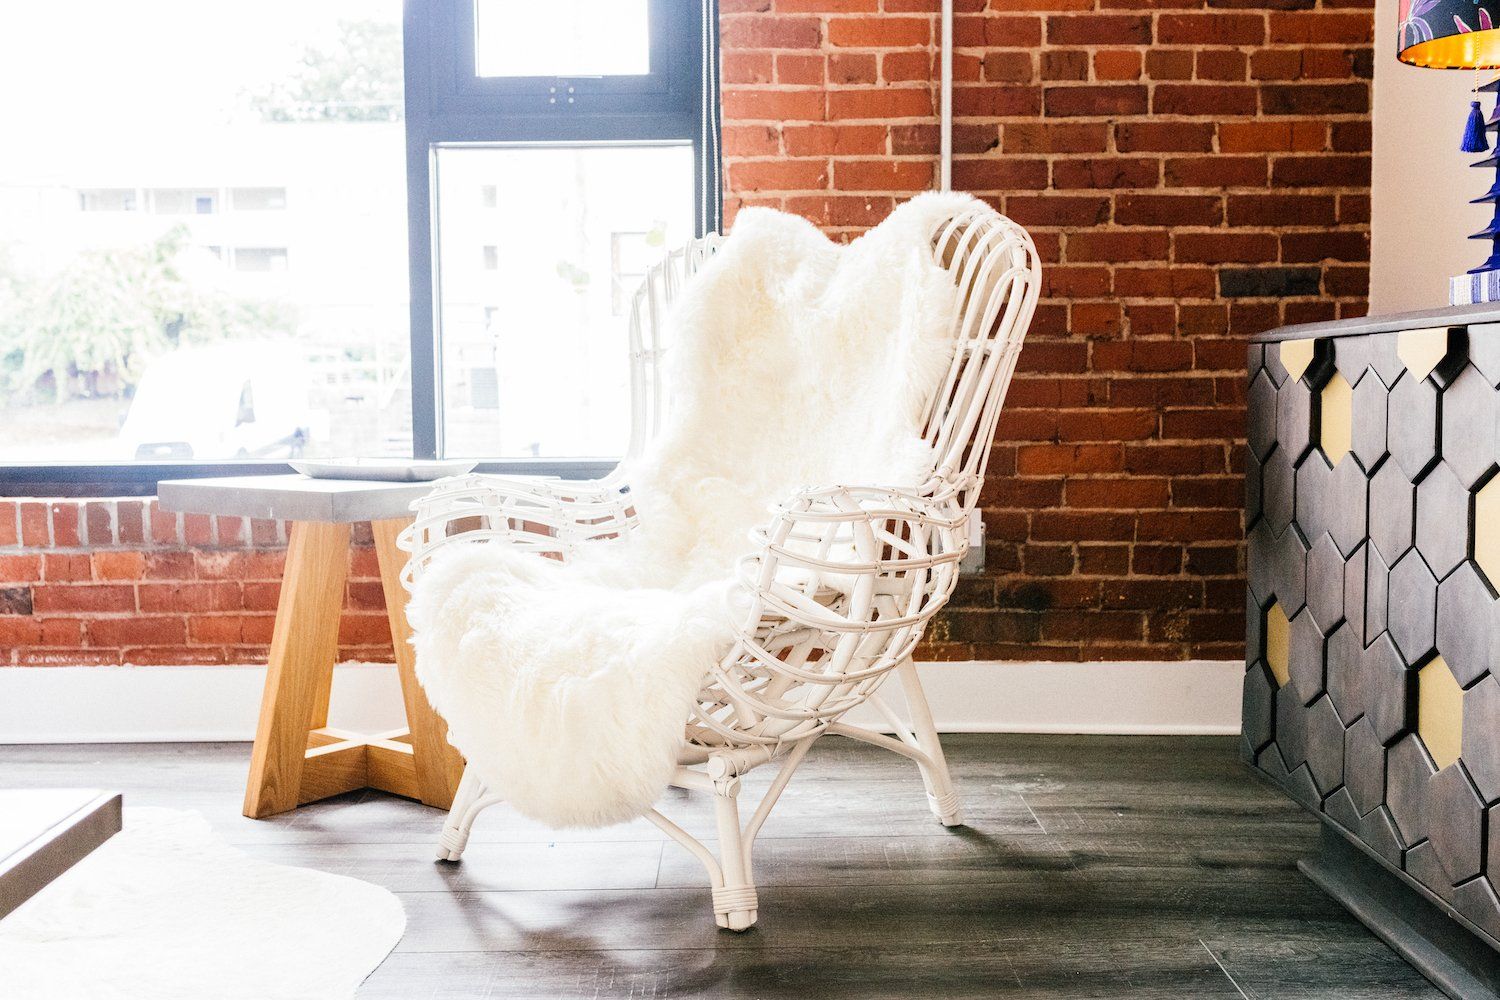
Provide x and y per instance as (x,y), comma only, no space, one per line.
(1091,867)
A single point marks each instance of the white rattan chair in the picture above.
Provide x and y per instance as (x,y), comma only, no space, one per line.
(842,583)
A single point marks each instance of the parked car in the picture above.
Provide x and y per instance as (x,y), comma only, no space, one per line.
(231,400)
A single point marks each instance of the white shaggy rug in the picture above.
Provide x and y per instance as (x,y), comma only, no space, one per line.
(165,910)
(793,362)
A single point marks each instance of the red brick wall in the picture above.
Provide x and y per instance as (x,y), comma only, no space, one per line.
(122,581)
(1193,172)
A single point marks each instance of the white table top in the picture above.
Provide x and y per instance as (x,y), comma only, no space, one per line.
(291,498)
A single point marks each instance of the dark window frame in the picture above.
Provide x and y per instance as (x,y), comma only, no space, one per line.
(446,103)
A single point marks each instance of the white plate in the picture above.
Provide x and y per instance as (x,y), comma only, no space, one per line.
(392,470)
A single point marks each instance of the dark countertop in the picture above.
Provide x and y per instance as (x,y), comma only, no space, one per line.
(1421,319)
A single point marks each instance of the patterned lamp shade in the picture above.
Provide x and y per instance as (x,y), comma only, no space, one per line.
(1450,34)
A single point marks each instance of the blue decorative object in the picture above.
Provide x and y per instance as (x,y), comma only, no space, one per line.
(1490,232)
(1475,140)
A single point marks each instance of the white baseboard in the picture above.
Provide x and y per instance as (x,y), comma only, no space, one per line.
(181,704)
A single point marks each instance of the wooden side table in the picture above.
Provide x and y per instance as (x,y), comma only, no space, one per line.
(297,757)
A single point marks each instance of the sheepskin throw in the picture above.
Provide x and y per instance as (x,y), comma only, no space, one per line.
(793,362)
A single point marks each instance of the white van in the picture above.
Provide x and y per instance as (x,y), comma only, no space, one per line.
(241,399)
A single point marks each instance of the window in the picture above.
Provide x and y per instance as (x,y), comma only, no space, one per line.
(249,198)
(258,199)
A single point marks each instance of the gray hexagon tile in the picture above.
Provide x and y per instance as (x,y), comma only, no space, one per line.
(1484,351)
(1469,413)
(1346,503)
(1252,489)
(1325,583)
(1260,562)
(1377,594)
(1455,823)
(1481,748)
(1413,434)
(1412,614)
(1354,591)
(1370,411)
(1389,690)
(1261,403)
(1313,506)
(1289,571)
(1408,773)
(1259,706)
(1442,520)
(1468,624)
(1393,507)
(1347,676)
(1305,658)
(1278,491)
(1364,766)
(1294,418)
(1325,745)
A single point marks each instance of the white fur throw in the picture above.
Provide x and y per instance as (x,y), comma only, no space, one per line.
(794,362)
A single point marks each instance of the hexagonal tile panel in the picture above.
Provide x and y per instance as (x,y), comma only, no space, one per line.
(1336,418)
(1456,826)
(1487,531)
(1412,433)
(1352,355)
(1294,418)
(1291,728)
(1393,507)
(1442,520)
(1387,690)
(1370,414)
(1481,750)
(1305,657)
(1477,900)
(1278,491)
(1469,410)
(1468,624)
(1440,712)
(1411,617)
(1261,403)
(1325,583)
(1278,644)
(1346,502)
(1364,766)
(1313,509)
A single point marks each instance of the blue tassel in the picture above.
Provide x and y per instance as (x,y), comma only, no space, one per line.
(1475,141)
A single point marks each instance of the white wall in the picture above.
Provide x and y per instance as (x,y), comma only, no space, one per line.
(1421,183)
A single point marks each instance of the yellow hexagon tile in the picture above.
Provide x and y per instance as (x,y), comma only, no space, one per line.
(1278,644)
(1487,530)
(1336,419)
(1422,350)
(1440,712)
(1296,356)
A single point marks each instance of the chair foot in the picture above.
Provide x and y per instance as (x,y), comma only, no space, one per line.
(451,843)
(735,908)
(948,808)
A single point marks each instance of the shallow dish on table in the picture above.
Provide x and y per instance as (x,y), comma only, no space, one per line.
(393,470)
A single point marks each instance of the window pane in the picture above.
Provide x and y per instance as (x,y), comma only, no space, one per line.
(533,307)
(203,248)
(561,38)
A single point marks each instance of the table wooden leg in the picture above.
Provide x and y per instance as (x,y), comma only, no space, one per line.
(438,766)
(304,646)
